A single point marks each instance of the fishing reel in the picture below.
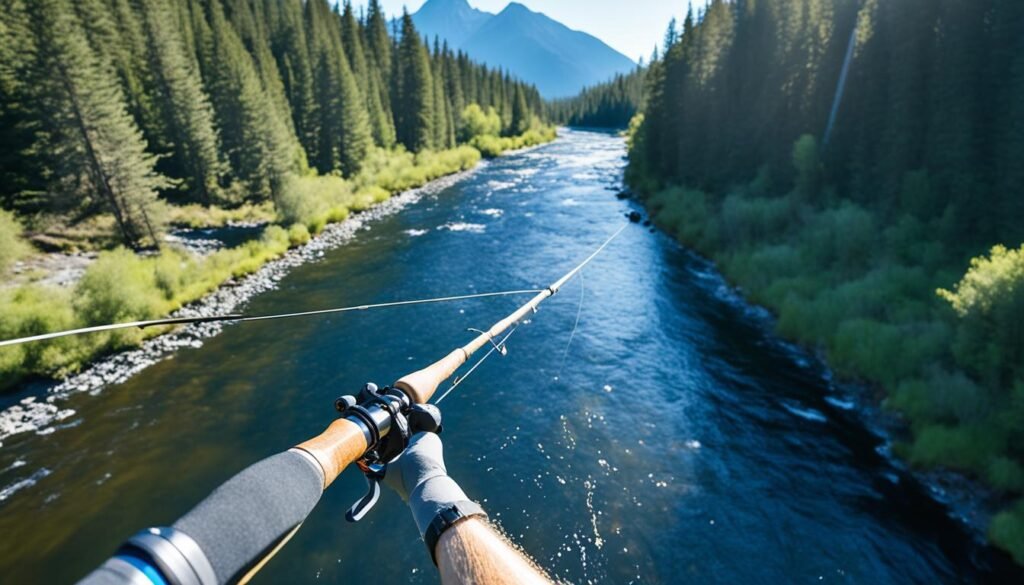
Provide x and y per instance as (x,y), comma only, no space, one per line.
(389,419)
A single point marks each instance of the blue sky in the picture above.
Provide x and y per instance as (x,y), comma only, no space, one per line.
(632,27)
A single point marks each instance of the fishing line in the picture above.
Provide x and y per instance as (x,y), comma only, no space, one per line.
(461,379)
(240,318)
(514,321)
(579,311)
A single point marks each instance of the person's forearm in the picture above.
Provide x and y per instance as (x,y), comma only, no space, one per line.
(474,552)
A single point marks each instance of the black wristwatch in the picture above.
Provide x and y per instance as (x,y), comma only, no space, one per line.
(447,518)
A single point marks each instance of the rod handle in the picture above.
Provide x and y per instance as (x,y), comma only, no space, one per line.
(339,445)
(422,384)
(240,526)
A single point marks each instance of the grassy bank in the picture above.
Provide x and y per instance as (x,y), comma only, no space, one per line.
(123,286)
(891,299)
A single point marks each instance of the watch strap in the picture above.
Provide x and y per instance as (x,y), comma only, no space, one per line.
(445,519)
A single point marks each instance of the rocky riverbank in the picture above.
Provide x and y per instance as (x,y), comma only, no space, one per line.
(43,413)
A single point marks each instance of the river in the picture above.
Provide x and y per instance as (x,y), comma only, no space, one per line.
(676,439)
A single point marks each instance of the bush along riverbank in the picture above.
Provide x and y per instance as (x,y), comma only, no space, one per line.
(886,302)
(121,285)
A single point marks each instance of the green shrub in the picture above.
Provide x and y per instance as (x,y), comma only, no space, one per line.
(489,146)
(1007,530)
(493,146)
(685,213)
(194,215)
(119,286)
(989,301)
(967,448)
(758,269)
(392,171)
(633,132)
(337,214)
(12,247)
(841,239)
(755,220)
(872,348)
(34,310)
(1006,474)
(475,122)
(298,235)
(173,272)
(309,200)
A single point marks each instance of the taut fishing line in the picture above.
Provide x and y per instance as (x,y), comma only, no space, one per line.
(575,326)
(239,318)
(499,346)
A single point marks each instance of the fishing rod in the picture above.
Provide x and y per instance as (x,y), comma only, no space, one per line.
(236,530)
(404,406)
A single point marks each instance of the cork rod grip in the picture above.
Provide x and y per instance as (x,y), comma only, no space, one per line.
(342,443)
(422,384)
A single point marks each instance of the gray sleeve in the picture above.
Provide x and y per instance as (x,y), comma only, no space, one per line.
(245,518)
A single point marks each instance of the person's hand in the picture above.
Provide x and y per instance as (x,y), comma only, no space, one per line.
(419,476)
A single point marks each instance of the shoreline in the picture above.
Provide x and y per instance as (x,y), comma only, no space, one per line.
(40,411)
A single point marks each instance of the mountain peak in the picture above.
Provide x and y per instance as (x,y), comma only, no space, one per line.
(530,45)
(521,13)
(514,7)
(452,20)
(445,4)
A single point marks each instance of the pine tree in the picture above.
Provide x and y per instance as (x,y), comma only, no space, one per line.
(186,107)
(356,137)
(367,77)
(378,41)
(344,131)
(126,46)
(414,89)
(250,25)
(290,47)
(441,117)
(520,113)
(671,35)
(256,141)
(22,170)
(96,146)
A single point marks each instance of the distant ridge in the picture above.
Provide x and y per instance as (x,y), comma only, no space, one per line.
(452,20)
(537,49)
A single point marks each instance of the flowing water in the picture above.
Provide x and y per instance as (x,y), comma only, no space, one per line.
(675,439)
